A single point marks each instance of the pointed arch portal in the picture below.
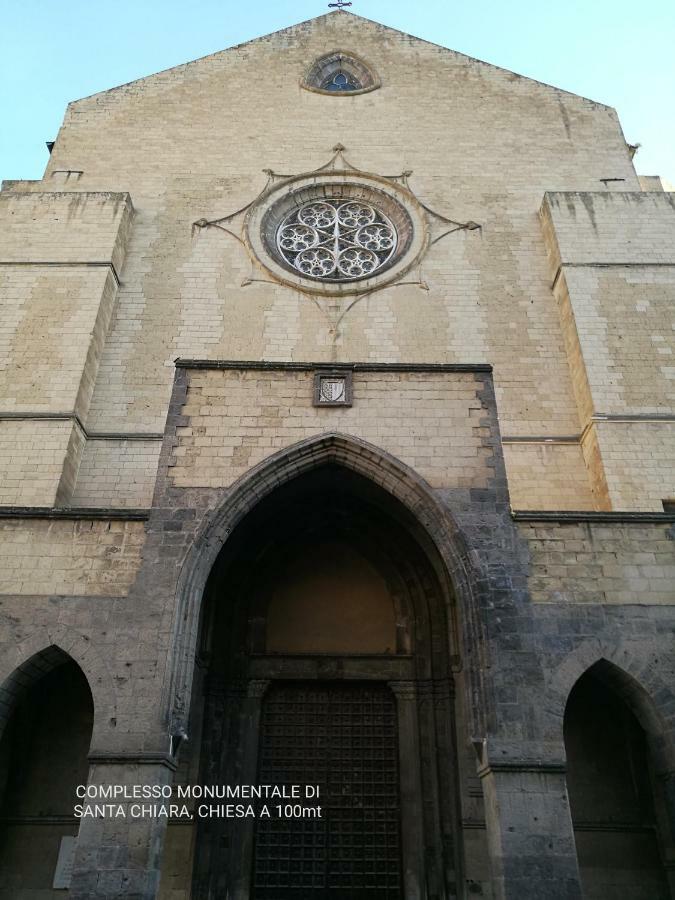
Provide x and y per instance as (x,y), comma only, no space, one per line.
(332,597)
(433,525)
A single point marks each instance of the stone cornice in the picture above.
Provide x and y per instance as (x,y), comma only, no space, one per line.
(74,512)
(564,517)
(258,365)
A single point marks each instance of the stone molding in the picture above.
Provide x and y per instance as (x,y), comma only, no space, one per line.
(258,365)
(75,512)
(135,758)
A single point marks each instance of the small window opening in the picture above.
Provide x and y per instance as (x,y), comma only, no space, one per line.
(341,82)
(340,73)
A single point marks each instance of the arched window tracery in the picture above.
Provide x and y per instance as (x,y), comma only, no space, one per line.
(341,82)
(339,73)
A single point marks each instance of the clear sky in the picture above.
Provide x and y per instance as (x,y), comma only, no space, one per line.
(52,51)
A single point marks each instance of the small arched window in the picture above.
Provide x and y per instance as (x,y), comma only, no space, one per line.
(340,73)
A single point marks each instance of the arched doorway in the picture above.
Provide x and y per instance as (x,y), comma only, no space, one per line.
(611,784)
(47,716)
(326,648)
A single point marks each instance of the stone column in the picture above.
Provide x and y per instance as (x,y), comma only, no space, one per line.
(221,712)
(528,820)
(412,814)
(120,857)
(244,835)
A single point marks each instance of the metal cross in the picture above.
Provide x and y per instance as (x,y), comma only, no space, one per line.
(340,4)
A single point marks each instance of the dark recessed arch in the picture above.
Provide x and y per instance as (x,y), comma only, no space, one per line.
(45,649)
(617,774)
(361,536)
(14,688)
(434,529)
(636,697)
(631,677)
(46,720)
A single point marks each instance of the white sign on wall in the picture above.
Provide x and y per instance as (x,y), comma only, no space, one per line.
(64,864)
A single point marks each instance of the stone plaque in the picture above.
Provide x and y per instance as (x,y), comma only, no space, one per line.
(332,389)
(64,864)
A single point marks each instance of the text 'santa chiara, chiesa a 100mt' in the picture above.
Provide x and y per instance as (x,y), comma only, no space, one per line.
(337,441)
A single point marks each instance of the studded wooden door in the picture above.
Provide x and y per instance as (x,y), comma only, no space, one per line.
(342,737)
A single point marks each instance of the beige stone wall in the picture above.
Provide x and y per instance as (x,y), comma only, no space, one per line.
(47,225)
(431,422)
(71,463)
(547,476)
(639,463)
(117,473)
(613,260)
(613,257)
(32,455)
(590,448)
(54,329)
(603,227)
(483,144)
(655,183)
(600,563)
(75,558)
(624,320)
(100,299)
(60,255)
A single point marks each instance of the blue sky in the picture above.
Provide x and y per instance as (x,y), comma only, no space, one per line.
(614,51)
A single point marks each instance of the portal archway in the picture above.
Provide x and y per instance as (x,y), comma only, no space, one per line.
(328,598)
(429,520)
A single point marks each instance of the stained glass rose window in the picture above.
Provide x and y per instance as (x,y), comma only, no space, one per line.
(336,239)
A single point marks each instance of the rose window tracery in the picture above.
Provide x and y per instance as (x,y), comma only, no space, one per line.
(336,239)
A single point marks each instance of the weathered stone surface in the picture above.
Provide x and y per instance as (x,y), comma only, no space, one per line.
(505,614)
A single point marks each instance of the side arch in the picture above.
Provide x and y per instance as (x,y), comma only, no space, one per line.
(47,713)
(634,679)
(41,653)
(435,525)
(618,727)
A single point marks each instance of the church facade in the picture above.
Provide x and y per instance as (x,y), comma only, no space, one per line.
(337,449)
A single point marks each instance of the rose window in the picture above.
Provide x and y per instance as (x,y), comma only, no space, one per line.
(336,239)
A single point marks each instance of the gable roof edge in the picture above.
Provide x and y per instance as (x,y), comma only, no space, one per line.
(340,12)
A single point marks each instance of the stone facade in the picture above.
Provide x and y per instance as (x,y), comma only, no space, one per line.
(503,473)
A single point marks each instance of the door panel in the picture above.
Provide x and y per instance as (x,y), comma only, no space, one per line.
(342,737)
